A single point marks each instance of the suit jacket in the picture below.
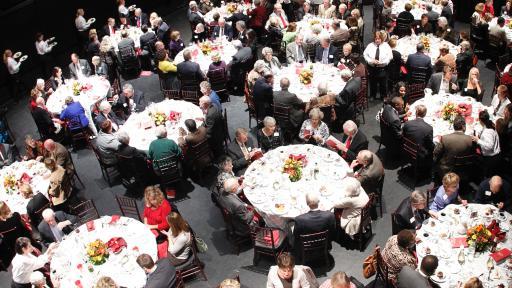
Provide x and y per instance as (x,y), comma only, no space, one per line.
(111,116)
(35,204)
(451,145)
(143,20)
(192,139)
(346,100)
(333,55)
(241,216)
(61,157)
(126,43)
(326,13)
(434,82)
(161,32)
(84,65)
(447,12)
(195,19)
(314,221)
(340,35)
(285,98)
(263,98)
(44,122)
(228,32)
(404,216)
(106,30)
(46,232)
(464,62)
(241,60)
(409,277)
(351,215)
(498,32)
(357,143)
(482,196)
(235,152)
(164,275)
(214,128)
(101,70)
(188,70)
(148,40)
(407,16)
(237,16)
(432,16)
(422,134)
(291,52)
(419,60)
(370,175)
(123,102)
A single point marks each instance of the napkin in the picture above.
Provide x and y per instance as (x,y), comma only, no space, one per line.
(25,178)
(90,225)
(332,142)
(78,284)
(500,255)
(307,133)
(174,116)
(114,219)
(116,244)
(458,241)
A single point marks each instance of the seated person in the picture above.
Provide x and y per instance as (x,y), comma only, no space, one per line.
(142,171)
(409,277)
(399,253)
(8,154)
(34,149)
(494,191)
(44,120)
(179,238)
(314,221)
(129,101)
(162,147)
(352,200)
(105,113)
(161,273)
(25,262)
(242,216)
(38,280)
(286,274)
(368,170)
(206,90)
(10,221)
(75,112)
(352,142)
(107,143)
(444,82)
(35,204)
(60,184)
(199,34)
(270,136)
(313,130)
(500,101)
(196,135)
(55,226)
(447,194)
(411,213)
(241,151)
(226,172)
(391,135)
(338,280)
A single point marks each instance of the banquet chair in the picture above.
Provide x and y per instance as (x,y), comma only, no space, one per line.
(77,133)
(328,115)
(190,96)
(402,28)
(85,211)
(130,65)
(464,167)
(431,194)
(410,156)
(310,52)
(193,266)
(251,106)
(132,172)
(418,75)
(47,85)
(381,271)
(105,168)
(179,280)
(267,241)
(365,232)
(395,228)
(414,92)
(236,240)
(218,82)
(202,157)
(128,207)
(494,48)
(360,105)
(75,174)
(168,170)
(115,89)
(282,116)
(377,195)
(172,94)
(503,60)
(5,124)
(314,246)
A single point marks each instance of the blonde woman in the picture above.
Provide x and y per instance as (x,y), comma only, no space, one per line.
(472,86)
(106,282)
(156,209)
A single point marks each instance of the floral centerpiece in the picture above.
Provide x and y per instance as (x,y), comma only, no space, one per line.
(97,251)
(293,167)
(158,117)
(426,42)
(314,21)
(206,47)
(231,8)
(465,109)
(78,88)
(306,76)
(10,183)
(449,111)
(480,237)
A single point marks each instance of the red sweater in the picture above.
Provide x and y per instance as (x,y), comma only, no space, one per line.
(157,216)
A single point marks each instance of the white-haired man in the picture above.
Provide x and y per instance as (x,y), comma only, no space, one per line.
(128,101)
(241,215)
(352,141)
(214,125)
(346,100)
(55,225)
(325,52)
(411,213)
(223,30)
(162,147)
(352,200)
(368,170)
(282,20)
(315,220)
(139,18)
(106,114)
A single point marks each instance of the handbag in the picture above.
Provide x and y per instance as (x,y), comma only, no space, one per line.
(201,245)
(369,265)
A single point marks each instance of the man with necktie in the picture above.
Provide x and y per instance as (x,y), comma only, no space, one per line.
(295,51)
(79,68)
(279,14)
(325,52)
(500,101)
(411,213)
(352,141)
(378,54)
(222,30)
(241,151)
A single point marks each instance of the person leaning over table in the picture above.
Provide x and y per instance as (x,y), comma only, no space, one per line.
(179,237)
(160,274)
(495,191)
(444,31)
(130,100)
(162,147)
(60,154)
(352,141)
(411,212)
(446,194)
(368,170)
(75,112)
(270,136)
(25,262)
(352,201)
(314,130)
(60,185)
(35,203)
(241,151)
(100,67)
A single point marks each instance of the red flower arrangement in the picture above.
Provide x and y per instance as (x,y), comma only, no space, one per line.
(174,116)
(465,109)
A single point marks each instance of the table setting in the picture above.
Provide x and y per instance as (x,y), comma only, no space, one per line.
(407,45)
(202,52)
(305,26)
(442,108)
(418,8)
(226,10)
(170,113)
(507,27)
(108,246)
(305,77)
(134,33)
(30,172)
(469,241)
(277,183)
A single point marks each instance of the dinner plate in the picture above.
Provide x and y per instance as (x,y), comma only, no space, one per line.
(23,58)
(131,8)
(280,211)
(50,39)
(437,279)
(257,199)
(91,20)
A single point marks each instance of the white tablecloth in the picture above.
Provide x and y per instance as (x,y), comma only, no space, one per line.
(452,225)
(133,32)
(223,12)
(100,89)
(140,137)
(121,267)
(321,72)
(267,185)
(508,31)
(442,127)
(34,169)
(304,26)
(225,49)
(407,45)
(418,9)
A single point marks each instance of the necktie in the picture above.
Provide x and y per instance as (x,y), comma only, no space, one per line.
(138,21)
(221,32)
(244,150)
(282,20)
(497,108)
(347,145)
(300,54)
(377,53)
(325,56)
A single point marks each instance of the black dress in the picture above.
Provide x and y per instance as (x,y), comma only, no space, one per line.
(11,229)
(471,92)
(199,37)
(268,143)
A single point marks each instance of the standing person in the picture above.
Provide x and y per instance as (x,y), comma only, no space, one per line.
(82,27)
(44,50)
(24,263)
(378,54)
(489,143)
(214,125)
(13,67)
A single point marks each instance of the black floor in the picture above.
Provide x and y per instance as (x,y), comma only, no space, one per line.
(220,259)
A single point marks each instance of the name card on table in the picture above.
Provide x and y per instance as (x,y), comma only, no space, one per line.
(459,241)
(500,255)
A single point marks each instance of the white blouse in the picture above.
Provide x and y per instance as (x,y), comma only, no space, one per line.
(23,265)
(179,243)
(12,66)
(489,142)
(42,47)
(81,24)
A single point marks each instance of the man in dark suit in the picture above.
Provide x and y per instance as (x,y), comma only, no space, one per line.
(419,60)
(352,142)
(238,16)
(411,213)
(111,28)
(128,101)
(346,101)
(314,221)
(214,125)
(223,29)
(368,170)
(451,145)
(447,12)
(43,119)
(36,203)
(295,105)
(242,217)
(263,95)
(432,15)
(162,30)
(240,64)
(495,191)
(139,18)
(443,81)
(190,71)
(161,274)
(147,40)
(106,113)
(464,60)
(8,154)
(194,17)
(126,42)
(391,126)
(55,225)
(409,277)
(326,53)
(188,140)
(241,151)
(421,133)
(79,67)
(406,15)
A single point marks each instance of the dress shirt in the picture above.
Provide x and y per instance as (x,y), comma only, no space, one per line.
(445,85)
(441,200)
(79,73)
(489,142)
(81,24)
(300,53)
(13,66)
(385,54)
(24,265)
(57,233)
(325,55)
(499,108)
(244,149)
(42,47)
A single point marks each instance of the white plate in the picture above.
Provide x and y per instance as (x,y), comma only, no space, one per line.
(91,20)
(257,199)
(17,55)
(284,211)
(437,279)
(131,8)
(23,58)
(50,39)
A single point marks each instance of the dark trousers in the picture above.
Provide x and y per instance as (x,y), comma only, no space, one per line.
(16,87)
(377,77)
(46,61)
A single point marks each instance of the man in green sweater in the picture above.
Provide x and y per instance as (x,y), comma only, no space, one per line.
(162,147)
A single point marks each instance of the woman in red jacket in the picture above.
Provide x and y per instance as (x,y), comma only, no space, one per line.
(155,213)
(258,17)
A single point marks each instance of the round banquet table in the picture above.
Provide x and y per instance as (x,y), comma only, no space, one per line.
(223,12)
(305,25)
(141,128)
(36,172)
(453,223)
(435,103)
(418,9)
(225,49)
(508,30)
(407,45)
(266,184)
(321,72)
(70,261)
(133,32)
(99,90)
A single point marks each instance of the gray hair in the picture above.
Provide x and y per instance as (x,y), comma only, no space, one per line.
(104,105)
(192,4)
(312,199)
(346,74)
(352,186)
(465,45)
(205,99)
(418,197)
(161,132)
(284,83)
(322,88)
(266,50)
(68,100)
(230,184)
(366,156)
(225,161)
(259,65)
(187,54)
(350,126)
(241,24)
(316,113)
(325,37)
(268,120)
(128,86)
(429,7)
(205,85)
(442,21)
(317,28)
(48,213)
(123,137)
(96,60)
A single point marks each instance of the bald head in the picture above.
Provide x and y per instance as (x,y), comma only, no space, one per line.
(49,145)
(421,111)
(285,83)
(231,185)
(495,184)
(365,157)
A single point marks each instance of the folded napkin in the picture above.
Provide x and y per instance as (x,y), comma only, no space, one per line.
(307,133)
(25,178)
(114,219)
(78,284)
(90,225)
(174,116)
(459,241)
(116,244)
(500,255)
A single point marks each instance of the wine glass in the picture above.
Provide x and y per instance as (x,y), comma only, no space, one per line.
(490,266)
